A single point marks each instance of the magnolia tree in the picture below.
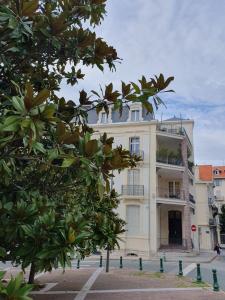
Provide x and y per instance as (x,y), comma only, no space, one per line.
(55,197)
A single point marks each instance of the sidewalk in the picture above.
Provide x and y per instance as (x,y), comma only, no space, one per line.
(173,256)
(95,284)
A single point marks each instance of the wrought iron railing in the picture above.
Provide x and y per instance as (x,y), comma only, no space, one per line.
(169,160)
(132,190)
(191,198)
(166,193)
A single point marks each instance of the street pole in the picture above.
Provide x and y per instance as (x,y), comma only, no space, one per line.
(107,260)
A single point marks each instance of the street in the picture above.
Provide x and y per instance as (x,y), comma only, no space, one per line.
(154,266)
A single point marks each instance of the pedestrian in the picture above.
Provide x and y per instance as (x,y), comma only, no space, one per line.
(217,248)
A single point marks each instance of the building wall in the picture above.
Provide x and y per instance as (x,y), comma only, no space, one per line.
(153,222)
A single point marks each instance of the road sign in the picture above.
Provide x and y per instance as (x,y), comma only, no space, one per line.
(193,228)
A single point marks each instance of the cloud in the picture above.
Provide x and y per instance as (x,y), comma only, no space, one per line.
(181,38)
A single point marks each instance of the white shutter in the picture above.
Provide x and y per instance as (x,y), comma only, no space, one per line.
(133,220)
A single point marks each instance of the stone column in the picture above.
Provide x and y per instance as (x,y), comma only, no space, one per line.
(185,185)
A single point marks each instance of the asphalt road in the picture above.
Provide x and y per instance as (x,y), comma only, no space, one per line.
(154,266)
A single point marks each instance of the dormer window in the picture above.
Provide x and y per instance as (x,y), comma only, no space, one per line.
(104,118)
(135,115)
(217,172)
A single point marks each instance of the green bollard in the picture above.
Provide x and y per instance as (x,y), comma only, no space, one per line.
(121,262)
(164,257)
(140,264)
(216,287)
(161,265)
(100,263)
(180,268)
(199,276)
(78,264)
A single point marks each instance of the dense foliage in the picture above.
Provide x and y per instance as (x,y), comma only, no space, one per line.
(55,197)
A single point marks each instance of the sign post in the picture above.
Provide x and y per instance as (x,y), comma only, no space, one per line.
(193,228)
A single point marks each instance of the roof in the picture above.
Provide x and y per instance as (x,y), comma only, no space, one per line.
(116,118)
(206,172)
(174,118)
(219,172)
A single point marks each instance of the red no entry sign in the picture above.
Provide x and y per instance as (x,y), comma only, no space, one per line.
(193,228)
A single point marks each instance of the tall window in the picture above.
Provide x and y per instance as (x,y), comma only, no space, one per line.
(174,189)
(104,118)
(133,219)
(135,115)
(135,145)
(133,177)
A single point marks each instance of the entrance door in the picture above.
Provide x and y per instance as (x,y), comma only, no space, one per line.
(175,227)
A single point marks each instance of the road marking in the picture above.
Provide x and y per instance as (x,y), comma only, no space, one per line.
(188,269)
(116,291)
(49,286)
(39,275)
(84,291)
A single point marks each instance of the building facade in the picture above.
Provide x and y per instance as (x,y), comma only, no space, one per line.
(206,208)
(157,198)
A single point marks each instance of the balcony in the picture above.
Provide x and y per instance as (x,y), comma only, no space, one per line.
(139,153)
(169,160)
(191,167)
(132,190)
(165,193)
(212,222)
(174,130)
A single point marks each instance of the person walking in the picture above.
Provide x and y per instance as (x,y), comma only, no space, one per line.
(217,248)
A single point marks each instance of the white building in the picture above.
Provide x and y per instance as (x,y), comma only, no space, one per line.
(157,197)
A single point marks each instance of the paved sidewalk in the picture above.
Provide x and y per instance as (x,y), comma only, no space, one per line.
(94,283)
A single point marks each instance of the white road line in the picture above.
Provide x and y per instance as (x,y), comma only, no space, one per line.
(188,269)
(118,291)
(39,275)
(48,286)
(84,291)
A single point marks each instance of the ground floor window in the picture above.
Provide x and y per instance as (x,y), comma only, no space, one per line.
(133,219)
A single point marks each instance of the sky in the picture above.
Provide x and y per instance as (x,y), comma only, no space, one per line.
(182,38)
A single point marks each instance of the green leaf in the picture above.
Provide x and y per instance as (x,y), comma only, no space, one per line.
(136,88)
(41,97)
(67,162)
(3,253)
(11,123)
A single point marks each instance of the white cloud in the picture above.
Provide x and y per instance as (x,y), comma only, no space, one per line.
(181,38)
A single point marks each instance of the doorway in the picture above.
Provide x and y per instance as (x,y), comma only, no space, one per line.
(175,227)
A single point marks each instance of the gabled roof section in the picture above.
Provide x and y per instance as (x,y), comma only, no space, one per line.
(206,172)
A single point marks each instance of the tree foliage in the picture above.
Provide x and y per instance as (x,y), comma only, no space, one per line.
(55,197)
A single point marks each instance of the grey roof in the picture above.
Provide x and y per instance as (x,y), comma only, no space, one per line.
(174,118)
(116,118)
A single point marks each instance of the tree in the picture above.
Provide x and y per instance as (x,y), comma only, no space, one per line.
(55,198)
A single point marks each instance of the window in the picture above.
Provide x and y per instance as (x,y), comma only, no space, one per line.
(104,118)
(174,189)
(135,145)
(217,172)
(133,219)
(217,182)
(135,115)
(133,177)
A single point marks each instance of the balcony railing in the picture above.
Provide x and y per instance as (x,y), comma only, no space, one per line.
(173,130)
(169,160)
(192,199)
(132,190)
(212,222)
(165,193)
(138,153)
(190,166)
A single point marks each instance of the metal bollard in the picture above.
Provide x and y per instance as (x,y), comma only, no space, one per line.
(78,264)
(100,263)
(216,287)
(140,264)
(180,268)
(121,262)
(164,256)
(199,276)
(161,265)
